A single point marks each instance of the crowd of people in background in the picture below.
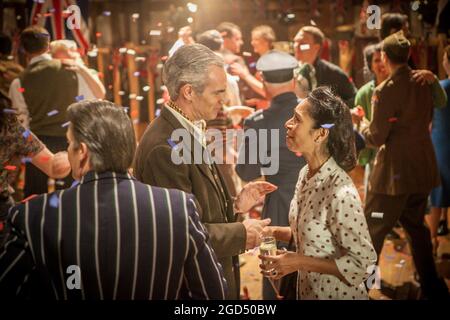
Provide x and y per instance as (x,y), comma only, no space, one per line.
(140,226)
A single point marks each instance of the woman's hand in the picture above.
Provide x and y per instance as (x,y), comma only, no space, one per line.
(276,267)
(279,233)
(423,76)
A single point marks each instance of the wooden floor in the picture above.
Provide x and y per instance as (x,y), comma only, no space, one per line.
(396,265)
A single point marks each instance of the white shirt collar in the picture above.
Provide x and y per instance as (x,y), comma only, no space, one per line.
(44,56)
(188,125)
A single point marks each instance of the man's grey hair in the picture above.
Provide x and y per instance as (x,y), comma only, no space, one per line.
(107,131)
(189,65)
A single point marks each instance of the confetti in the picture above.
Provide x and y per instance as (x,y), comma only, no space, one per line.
(6,110)
(190,20)
(26,134)
(160,101)
(131,52)
(159,24)
(246,54)
(136,121)
(60,183)
(192,7)
(146,88)
(52,113)
(136,73)
(79,98)
(54,201)
(65,124)
(172,144)
(135,16)
(290,15)
(21,90)
(75,183)
(327,125)
(126,109)
(393,119)
(123,50)
(10,168)
(137,59)
(132,96)
(157,112)
(304,47)
(298,154)
(252,65)
(29,198)
(26,160)
(121,93)
(107,13)
(139,98)
(170,29)
(98,34)
(313,23)
(155,33)
(377,215)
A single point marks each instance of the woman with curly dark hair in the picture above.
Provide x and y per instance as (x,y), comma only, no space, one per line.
(334,249)
(19,144)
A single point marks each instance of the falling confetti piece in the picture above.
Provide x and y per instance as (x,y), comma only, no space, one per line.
(52,113)
(146,88)
(123,50)
(110,67)
(100,75)
(159,24)
(126,109)
(121,93)
(172,144)
(131,52)
(138,59)
(327,125)
(98,34)
(155,33)
(134,113)
(10,168)
(136,121)
(246,54)
(26,160)
(26,134)
(54,201)
(60,183)
(170,29)
(139,98)
(190,20)
(29,198)
(107,13)
(75,183)
(393,119)
(136,73)
(160,101)
(132,96)
(6,110)
(298,154)
(135,16)
(65,124)
(313,23)
(79,98)
(157,112)
(377,215)
(304,47)
(252,65)
(22,90)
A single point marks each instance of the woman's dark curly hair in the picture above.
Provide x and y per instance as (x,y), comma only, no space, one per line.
(328,109)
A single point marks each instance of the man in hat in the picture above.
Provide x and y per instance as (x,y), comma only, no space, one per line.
(278,78)
(405,167)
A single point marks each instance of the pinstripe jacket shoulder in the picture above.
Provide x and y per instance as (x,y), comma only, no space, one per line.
(109,237)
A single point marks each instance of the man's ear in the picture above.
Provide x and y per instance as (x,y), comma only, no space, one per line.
(187,92)
(85,155)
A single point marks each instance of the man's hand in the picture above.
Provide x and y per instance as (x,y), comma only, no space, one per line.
(70,64)
(253,228)
(252,194)
(236,69)
(357,115)
(423,76)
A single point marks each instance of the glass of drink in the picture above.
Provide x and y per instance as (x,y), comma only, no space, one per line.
(268,247)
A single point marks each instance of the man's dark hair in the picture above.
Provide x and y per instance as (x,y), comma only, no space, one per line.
(391,23)
(368,54)
(211,39)
(5,45)
(327,108)
(34,39)
(107,131)
(226,29)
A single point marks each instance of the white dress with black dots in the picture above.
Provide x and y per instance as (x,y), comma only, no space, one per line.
(327,221)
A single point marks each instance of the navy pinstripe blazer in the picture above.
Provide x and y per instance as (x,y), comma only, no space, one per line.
(128,239)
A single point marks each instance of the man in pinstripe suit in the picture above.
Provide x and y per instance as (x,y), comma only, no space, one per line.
(110,236)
